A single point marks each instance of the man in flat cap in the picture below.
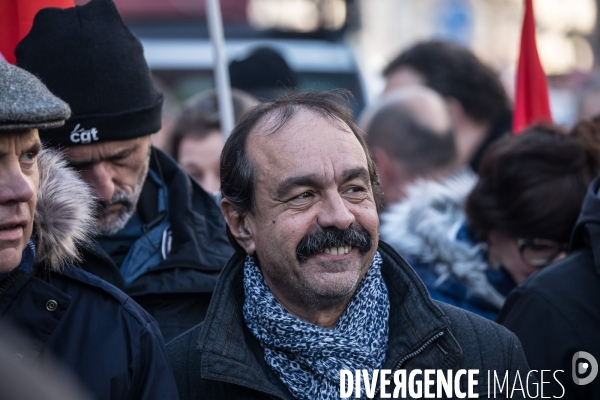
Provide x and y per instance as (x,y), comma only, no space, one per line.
(55,309)
(161,237)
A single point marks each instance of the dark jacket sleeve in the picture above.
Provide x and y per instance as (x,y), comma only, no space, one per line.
(153,378)
(529,315)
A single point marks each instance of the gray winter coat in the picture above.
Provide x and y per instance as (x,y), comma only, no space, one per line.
(220,359)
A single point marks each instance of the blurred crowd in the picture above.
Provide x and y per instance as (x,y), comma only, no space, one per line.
(502,224)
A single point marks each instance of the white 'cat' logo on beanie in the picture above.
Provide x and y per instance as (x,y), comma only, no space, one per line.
(80,135)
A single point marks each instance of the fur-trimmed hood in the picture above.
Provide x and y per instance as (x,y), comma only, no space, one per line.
(64,212)
(424,226)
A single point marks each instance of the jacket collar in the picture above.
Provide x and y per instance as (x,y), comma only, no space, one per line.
(426,225)
(196,239)
(586,233)
(195,219)
(225,354)
(414,322)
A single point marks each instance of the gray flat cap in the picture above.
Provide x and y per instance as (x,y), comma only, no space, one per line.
(26,103)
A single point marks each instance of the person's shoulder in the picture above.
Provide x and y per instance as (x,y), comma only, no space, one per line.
(86,279)
(467,323)
(185,358)
(484,343)
(569,275)
(562,295)
(181,346)
(100,293)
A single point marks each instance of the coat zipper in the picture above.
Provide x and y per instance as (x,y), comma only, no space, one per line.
(411,355)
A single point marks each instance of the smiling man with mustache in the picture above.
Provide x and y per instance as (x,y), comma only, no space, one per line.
(311,289)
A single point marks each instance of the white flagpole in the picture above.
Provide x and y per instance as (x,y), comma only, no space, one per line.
(220,67)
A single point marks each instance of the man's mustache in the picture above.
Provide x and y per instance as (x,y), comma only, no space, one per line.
(118,198)
(315,243)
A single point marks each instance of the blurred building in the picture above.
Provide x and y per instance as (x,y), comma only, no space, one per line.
(325,39)
(309,34)
(491,28)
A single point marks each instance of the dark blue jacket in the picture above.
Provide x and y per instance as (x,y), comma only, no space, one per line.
(90,327)
(54,310)
(428,228)
(452,291)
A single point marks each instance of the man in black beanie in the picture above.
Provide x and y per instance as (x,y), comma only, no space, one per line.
(162,238)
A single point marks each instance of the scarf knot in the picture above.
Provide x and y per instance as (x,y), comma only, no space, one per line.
(308,358)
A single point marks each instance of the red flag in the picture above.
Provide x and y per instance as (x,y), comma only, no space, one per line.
(16,18)
(531,97)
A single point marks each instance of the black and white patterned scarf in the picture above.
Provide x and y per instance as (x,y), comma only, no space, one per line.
(308,358)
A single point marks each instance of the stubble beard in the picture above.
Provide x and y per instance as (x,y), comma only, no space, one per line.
(331,290)
(321,292)
(109,226)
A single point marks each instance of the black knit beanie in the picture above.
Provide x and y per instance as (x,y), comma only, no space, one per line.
(88,57)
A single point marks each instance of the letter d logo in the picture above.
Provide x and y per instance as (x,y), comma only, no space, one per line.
(584,367)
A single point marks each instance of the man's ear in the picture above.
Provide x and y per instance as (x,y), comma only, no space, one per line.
(457,112)
(394,176)
(382,161)
(239,226)
(390,171)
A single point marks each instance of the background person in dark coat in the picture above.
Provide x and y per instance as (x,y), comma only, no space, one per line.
(56,310)
(161,237)
(556,312)
(311,290)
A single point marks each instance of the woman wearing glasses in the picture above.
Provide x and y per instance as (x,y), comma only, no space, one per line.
(556,312)
(529,195)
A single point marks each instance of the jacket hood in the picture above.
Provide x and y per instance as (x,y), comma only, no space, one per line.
(424,227)
(64,212)
(590,212)
(199,238)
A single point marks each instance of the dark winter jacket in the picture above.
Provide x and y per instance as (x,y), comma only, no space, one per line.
(220,359)
(556,312)
(55,310)
(176,291)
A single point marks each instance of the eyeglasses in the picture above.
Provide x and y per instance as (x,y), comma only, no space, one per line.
(539,252)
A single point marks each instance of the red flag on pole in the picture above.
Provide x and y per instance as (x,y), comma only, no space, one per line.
(532,102)
(16,18)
